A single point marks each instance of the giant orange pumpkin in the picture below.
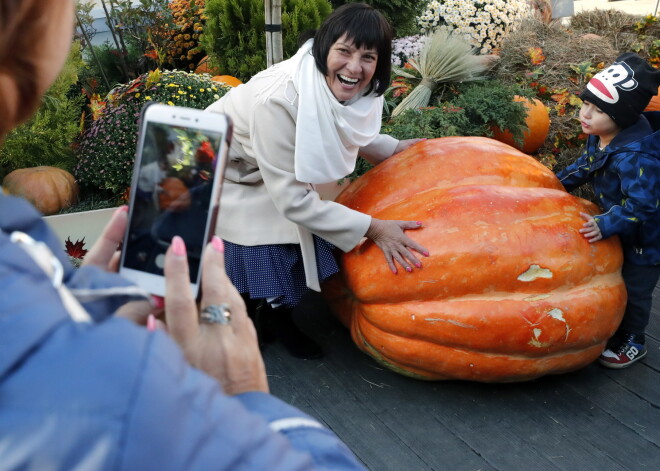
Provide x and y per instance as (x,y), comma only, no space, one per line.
(654,104)
(49,189)
(538,124)
(511,290)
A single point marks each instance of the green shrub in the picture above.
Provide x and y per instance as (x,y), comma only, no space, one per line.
(46,138)
(106,151)
(468,109)
(104,69)
(234,35)
(139,27)
(400,13)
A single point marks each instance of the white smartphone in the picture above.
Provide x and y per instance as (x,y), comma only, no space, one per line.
(179,166)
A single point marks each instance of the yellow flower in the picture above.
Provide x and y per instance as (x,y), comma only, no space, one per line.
(147,98)
(202,90)
(170,103)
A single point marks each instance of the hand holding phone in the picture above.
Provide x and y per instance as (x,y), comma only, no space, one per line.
(179,166)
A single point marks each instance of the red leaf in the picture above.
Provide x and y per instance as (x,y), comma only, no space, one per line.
(75,250)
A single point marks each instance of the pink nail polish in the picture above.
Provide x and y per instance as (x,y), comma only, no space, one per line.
(158,302)
(178,246)
(426,254)
(419,223)
(218,244)
(408,269)
(151,323)
(418,265)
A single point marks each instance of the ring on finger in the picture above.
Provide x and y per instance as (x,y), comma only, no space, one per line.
(216,314)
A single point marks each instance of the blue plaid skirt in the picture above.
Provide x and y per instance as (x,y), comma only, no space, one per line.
(276,271)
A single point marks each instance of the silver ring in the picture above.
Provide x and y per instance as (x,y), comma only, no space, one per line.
(216,314)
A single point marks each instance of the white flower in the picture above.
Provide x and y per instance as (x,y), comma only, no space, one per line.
(483,23)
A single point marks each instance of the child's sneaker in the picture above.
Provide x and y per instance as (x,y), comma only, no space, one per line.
(630,350)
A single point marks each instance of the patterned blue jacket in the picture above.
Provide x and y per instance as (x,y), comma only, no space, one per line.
(626,180)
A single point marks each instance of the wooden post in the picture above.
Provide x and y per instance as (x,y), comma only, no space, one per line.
(269,34)
(274,51)
(278,53)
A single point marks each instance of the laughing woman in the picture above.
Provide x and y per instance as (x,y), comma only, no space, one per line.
(297,125)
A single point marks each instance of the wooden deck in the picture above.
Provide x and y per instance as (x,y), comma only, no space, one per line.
(593,419)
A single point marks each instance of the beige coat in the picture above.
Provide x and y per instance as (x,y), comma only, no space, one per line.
(262,202)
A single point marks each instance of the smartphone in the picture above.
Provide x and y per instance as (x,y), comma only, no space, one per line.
(179,166)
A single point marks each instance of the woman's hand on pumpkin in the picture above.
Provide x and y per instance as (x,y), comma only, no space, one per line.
(590,229)
(404,144)
(105,255)
(229,353)
(397,247)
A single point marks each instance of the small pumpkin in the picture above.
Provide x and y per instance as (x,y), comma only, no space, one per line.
(204,67)
(173,194)
(654,104)
(511,290)
(49,189)
(538,124)
(227,80)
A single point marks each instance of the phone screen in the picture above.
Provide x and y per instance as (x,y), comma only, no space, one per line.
(172,195)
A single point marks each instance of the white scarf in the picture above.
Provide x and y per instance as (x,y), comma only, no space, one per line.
(328,133)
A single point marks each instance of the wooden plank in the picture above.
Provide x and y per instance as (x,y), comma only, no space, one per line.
(358,426)
(653,329)
(591,419)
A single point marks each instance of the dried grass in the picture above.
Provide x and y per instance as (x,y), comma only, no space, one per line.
(618,27)
(562,48)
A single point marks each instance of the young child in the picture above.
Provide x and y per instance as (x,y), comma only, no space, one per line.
(622,160)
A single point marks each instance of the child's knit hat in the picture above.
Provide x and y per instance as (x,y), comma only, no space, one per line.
(623,89)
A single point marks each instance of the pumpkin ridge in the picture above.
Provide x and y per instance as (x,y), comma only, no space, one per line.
(483,366)
(605,280)
(447,321)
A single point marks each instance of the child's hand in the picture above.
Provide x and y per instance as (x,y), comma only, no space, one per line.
(590,229)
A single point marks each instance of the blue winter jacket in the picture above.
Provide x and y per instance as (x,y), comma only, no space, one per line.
(109,395)
(626,180)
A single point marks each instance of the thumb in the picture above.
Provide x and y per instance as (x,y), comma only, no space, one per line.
(410,224)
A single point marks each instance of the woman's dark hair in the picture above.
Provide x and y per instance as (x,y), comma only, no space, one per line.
(365,26)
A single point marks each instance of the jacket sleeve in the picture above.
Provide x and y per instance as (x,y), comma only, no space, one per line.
(640,184)
(380,149)
(180,419)
(273,141)
(575,174)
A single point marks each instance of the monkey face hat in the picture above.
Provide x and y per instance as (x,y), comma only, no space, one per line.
(623,89)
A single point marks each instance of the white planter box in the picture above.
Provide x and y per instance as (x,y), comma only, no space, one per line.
(87,224)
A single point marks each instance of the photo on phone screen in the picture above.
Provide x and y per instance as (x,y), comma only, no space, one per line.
(172,194)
